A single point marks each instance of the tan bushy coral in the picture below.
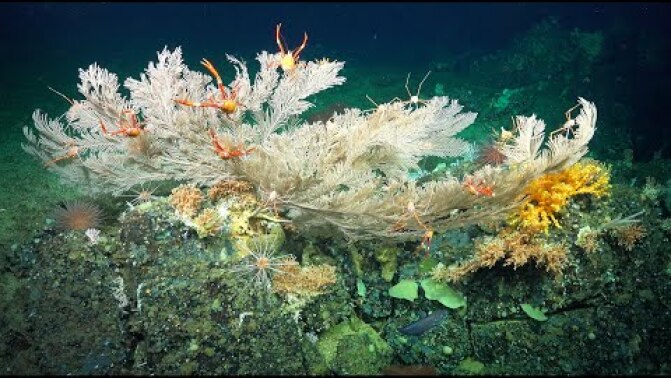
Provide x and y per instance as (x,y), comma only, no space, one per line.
(305,281)
(223,189)
(515,248)
(588,239)
(186,199)
(627,237)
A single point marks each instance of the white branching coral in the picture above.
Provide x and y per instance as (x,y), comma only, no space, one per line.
(350,172)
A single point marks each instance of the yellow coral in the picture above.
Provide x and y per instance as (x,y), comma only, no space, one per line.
(548,195)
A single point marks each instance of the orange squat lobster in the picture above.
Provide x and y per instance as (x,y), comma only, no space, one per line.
(128,125)
(228,103)
(288,59)
(72,152)
(478,189)
(226,153)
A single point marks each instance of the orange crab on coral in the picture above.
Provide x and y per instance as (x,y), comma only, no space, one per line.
(288,58)
(479,188)
(127,125)
(228,103)
(228,153)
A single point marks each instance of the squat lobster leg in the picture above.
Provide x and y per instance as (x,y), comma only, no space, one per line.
(411,211)
(413,99)
(222,89)
(72,152)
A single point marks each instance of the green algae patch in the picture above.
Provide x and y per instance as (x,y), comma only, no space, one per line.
(502,102)
(405,289)
(442,293)
(360,288)
(534,312)
(387,258)
(427,265)
(471,366)
(357,261)
(354,347)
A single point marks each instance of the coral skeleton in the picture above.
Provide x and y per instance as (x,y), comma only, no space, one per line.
(349,173)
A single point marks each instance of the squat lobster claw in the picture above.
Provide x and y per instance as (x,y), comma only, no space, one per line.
(479,188)
(426,242)
(227,153)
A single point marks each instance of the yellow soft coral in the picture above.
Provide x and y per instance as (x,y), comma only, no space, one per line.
(549,194)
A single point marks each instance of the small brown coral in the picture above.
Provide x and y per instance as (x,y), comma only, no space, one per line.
(224,188)
(627,237)
(553,257)
(588,239)
(307,280)
(491,154)
(186,199)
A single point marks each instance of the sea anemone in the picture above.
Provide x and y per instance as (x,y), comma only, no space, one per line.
(262,263)
(143,195)
(77,215)
(492,155)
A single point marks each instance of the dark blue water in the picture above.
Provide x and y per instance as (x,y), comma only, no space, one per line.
(400,31)
(48,42)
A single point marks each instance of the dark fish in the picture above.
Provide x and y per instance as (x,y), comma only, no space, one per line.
(422,325)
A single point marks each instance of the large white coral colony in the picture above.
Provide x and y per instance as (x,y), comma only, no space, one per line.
(350,172)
